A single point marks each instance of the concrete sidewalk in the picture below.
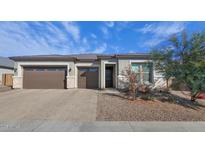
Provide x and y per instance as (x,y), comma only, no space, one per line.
(57,126)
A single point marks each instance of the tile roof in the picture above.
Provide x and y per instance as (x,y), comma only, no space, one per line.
(6,62)
(80,57)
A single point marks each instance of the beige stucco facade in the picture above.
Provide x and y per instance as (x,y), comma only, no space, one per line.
(119,65)
(123,64)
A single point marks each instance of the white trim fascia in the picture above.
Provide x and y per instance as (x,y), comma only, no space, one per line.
(86,64)
(139,61)
(42,63)
(106,62)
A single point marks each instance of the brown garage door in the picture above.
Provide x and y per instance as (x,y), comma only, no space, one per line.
(44,78)
(88,77)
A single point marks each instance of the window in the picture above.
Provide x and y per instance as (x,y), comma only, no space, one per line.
(144,72)
(40,69)
(55,69)
(88,69)
(29,69)
(44,68)
(93,69)
(136,68)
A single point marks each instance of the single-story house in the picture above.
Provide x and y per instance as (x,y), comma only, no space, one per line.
(6,67)
(82,71)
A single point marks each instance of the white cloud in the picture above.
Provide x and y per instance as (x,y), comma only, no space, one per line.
(105,32)
(15,37)
(131,51)
(115,48)
(147,28)
(163,28)
(152,42)
(93,36)
(101,48)
(160,32)
(85,41)
(73,29)
(110,24)
(122,25)
(33,38)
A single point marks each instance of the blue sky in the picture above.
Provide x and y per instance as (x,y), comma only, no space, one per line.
(37,38)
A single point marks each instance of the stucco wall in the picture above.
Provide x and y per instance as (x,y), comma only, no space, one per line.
(72,69)
(5,71)
(123,64)
(17,82)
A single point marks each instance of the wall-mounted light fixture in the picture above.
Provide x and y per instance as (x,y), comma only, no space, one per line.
(15,69)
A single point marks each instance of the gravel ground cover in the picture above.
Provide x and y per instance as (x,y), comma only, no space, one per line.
(113,107)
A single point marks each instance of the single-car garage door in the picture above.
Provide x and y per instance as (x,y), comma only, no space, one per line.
(44,78)
(88,77)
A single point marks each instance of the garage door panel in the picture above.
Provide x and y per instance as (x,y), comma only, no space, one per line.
(82,79)
(44,79)
(92,80)
(88,77)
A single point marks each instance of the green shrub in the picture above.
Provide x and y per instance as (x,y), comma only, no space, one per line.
(147,97)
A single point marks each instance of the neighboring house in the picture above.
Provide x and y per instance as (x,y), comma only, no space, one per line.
(6,67)
(81,71)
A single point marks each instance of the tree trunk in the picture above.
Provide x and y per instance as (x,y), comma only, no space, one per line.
(167,82)
(134,95)
(194,96)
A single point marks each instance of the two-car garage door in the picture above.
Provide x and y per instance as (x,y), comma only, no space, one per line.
(55,77)
(44,78)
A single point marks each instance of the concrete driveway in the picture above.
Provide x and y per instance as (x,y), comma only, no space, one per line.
(69,110)
(77,105)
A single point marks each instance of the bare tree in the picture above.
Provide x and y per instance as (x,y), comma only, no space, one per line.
(132,81)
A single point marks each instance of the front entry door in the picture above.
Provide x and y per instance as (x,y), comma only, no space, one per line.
(109,77)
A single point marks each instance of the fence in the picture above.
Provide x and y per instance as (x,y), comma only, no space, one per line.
(7,80)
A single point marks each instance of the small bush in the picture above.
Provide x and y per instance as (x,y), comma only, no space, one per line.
(145,87)
(147,97)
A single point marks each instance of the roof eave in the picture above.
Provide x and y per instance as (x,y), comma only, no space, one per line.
(105,57)
(86,60)
(42,59)
(6,67)
(143,56)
